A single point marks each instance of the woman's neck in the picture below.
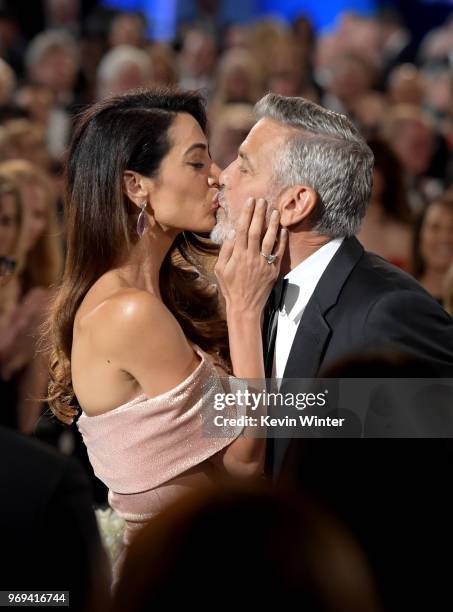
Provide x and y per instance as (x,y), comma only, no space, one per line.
(141,269)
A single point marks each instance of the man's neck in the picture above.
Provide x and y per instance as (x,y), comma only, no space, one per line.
(300,247)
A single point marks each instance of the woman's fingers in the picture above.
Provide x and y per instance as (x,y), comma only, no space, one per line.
(243,225)
(270,236)
(257,225)
(281,245)
(226,251)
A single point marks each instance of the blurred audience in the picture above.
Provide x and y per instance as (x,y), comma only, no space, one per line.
(387,226)
(406,85)
(411,135)
(233,123)
(124,67)
(24,139)
(239,80)
(8,83)
(128,29)
(448,293)
(164,67)
(433,245)
(22,366)
(198,58)
(52,59)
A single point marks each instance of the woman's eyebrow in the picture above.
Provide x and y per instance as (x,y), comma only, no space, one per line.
(197,145)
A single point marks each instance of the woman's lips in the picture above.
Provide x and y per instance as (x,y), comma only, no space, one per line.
(215,202)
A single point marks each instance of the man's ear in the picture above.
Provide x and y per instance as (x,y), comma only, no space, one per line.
(135,188)
(296,205)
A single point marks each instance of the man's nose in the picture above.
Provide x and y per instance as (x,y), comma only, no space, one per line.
(223,177)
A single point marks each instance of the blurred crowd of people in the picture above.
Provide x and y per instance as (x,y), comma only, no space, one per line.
(399,94)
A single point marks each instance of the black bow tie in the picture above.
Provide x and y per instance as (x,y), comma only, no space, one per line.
(277,295)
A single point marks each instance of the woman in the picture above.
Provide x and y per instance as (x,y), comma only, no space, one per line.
(44,260)
(20,359)
(433,245)
(11,257)
(239,81)
(11,226)
(135,336)
(387,227)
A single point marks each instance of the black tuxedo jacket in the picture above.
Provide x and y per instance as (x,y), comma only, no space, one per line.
(49,535)
(364,304)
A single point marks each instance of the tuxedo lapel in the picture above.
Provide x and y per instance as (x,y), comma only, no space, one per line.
(313,333)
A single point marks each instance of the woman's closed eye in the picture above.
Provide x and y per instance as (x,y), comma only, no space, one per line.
(198,165)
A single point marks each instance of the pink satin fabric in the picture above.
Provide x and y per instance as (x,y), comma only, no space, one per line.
(150,451)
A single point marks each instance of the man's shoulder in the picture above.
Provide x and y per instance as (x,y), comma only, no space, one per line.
(373,276)
(384,276)
(360,281)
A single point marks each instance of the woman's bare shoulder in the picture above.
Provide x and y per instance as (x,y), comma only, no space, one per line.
(133,322)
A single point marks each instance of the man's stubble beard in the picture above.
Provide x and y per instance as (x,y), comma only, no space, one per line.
(220,231)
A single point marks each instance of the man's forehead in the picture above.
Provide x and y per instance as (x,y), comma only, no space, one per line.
(266,133)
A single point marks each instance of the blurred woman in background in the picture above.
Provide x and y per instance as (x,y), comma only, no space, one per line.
(387,227)
(12,230)
(239,80)
(37,275)
(433,245)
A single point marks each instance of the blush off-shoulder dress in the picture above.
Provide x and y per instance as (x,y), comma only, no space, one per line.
(150,451)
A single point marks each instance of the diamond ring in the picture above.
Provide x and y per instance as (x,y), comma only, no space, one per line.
(269,258)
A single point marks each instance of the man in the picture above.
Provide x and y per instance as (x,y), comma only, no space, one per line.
(316,169)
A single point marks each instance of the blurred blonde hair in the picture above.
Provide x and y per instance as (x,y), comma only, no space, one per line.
(10,187)
(10,288)
(239,59)
(266,35)
(43,264)
(23,139)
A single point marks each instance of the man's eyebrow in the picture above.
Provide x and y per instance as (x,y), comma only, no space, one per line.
(245,157)
(197,145)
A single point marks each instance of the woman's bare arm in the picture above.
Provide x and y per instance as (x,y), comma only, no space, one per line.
(246,280)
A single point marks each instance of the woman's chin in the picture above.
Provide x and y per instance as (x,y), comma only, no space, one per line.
(202,228)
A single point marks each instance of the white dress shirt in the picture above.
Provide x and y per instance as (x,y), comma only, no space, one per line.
(302,282)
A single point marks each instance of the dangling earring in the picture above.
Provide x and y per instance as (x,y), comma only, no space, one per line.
(142,221)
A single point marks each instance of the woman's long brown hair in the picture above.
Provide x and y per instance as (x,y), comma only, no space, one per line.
(124,132)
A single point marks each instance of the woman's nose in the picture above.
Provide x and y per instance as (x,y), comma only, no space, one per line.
(214,173)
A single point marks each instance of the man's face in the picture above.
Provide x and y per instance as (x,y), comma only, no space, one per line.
(249,175)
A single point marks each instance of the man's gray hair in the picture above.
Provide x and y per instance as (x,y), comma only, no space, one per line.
(326,152)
